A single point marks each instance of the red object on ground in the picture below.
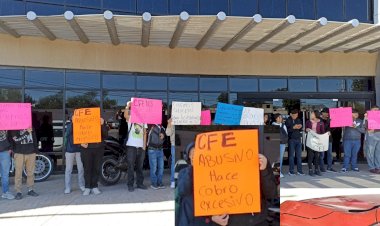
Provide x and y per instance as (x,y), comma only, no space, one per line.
(355,210)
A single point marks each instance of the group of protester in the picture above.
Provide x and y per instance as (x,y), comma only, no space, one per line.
(291,132)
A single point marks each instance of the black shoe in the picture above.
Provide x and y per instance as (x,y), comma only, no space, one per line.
(331,170)
(18,196)
(141,186)
(131,188)
(32,193)
(323,170)
(311,173)
(317,172)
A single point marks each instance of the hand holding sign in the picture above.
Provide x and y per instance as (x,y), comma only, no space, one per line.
(226,173)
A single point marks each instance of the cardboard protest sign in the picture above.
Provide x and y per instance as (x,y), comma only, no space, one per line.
(228,114)
(206,118)
(340,117)
(226,173)
(317,142)
(373,119)
(252,116)
(147,111)
(15,116)
(186,113)
(86,126)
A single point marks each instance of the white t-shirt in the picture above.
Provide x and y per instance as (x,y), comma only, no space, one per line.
(136,135)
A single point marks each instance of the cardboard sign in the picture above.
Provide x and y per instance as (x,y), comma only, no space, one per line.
(186,113)
(228,114)
(86,126)
(373,119)
(15,116)
(147,111)
(252,116)
(226,173)
(340,117)
(206,118)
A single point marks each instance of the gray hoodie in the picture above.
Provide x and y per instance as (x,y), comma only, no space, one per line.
(351,133)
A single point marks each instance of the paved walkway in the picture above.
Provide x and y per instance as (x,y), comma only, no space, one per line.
(115,206)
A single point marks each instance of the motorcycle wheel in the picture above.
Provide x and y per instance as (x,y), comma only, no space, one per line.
(110,174)
(44,168)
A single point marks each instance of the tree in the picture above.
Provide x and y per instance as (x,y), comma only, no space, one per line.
(89,98)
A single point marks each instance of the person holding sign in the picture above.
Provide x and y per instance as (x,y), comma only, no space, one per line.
(314,124)
(283,138)
(135,141)
(25,147)
(92,154)
(372,145)
(352,142)
(185,198)
(5,164)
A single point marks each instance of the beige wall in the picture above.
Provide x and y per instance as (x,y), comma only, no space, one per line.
(40,52)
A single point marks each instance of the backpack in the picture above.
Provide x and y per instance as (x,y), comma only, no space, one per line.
(154,139)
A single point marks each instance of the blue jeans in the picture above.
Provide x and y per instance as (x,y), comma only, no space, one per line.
(5,164)
(329,157)
(172,167)
(295,147)
(156,163)
(373,153)
(282,151)
(351,150)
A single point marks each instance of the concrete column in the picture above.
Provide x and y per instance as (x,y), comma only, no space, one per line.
(376,11)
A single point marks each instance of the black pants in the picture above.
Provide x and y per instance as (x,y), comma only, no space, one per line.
(135,159)
(92,159)
(312,157)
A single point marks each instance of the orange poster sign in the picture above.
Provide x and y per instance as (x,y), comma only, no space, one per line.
(86,126)
(226,173)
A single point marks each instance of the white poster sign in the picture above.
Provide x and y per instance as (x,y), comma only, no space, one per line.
(186,113)
(252,116)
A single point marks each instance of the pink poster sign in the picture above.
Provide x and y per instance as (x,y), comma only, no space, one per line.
(340,117)
(147,111)
(15,116)
(373,119)
(206,118)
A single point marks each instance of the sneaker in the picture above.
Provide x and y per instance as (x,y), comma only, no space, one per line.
(282,175)
(18,196)
(317,172)
(291,174)
(67,191)
(86,192)
(8,196)
(161,186)
(343,170)
(154,187)
(32,193)
(331,170)
(141,186)
(300,173)
(82,188)
(172,185)
(131,188)
(373,171)
(311,173)
(355,169)
(96,191)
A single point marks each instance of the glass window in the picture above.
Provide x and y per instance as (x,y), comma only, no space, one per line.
(244,7)
(43,78)
(331,9)
(10,7)
(83,80)
(152,83)
(269,85)
(60,2)
(213,84)
(153,95)
(44,99)
(359,84)
(45,9)
(302,85)
(158,7)
(331,85)
(81,99)
(11,95)
(190,6)
(10,77)
(357,9)
(116,99)
(180,96)
(244,84)
(81,11)
(210,100)
(120,5)
(272,8)
(183,83)
(302,9)
(233,98)
(118,81)
(212,7)
(87,3)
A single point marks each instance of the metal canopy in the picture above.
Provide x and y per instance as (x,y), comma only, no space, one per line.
(220,32)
